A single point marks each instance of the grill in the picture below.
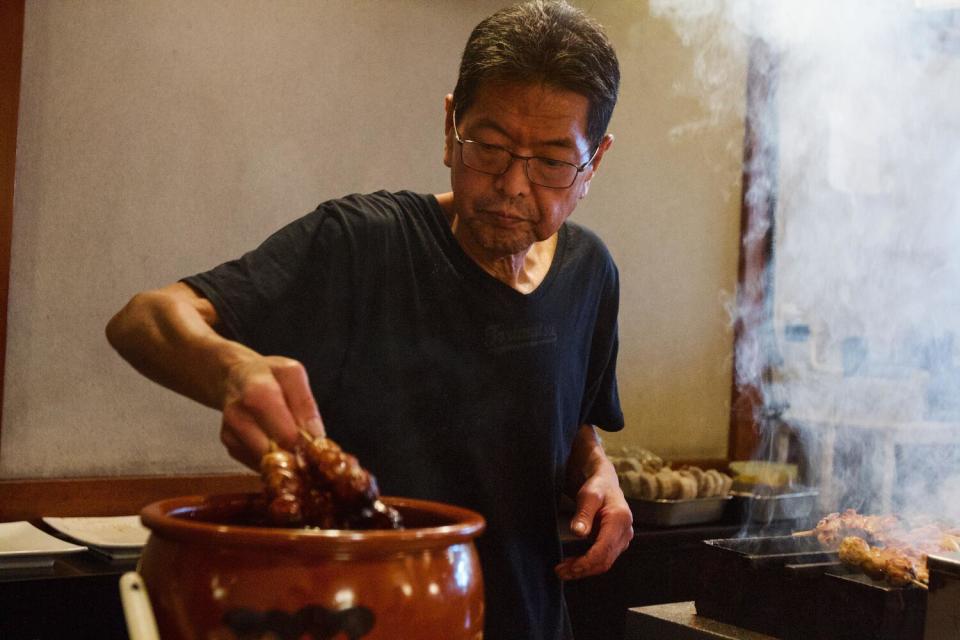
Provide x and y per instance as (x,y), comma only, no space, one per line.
(943,602)
(789,587)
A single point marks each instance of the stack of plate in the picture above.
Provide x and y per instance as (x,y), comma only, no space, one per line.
(24,546)
(118,539)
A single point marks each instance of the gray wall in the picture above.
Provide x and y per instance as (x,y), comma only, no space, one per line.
(158,139)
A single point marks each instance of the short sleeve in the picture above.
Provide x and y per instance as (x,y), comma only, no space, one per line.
(601,403)
(292,290)
(245,290)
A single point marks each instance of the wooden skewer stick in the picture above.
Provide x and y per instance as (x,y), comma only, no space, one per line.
(804,534)
(922,585)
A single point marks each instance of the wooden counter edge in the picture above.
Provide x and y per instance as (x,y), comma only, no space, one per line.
(30,499)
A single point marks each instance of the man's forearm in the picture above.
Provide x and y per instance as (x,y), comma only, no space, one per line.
(167,336)
(587,458)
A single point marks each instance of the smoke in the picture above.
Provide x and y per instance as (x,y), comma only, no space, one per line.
(863,163)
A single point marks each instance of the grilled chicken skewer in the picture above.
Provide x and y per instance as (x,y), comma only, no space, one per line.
(883,547)
(353,493)
(896,566)
(320,485)
(837,526)
(283,486)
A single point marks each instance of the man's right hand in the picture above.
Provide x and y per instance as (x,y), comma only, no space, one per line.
(169,335)
(266,398)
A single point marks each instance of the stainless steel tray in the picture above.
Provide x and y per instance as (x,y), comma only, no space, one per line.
(783,506)
(672,513)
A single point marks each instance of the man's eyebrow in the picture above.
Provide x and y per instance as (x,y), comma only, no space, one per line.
(561,143)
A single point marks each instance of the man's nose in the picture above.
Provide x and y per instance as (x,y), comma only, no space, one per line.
(514,180)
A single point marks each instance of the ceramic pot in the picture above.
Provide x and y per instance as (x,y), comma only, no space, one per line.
(211,573)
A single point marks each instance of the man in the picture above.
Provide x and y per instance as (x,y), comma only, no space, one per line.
(462,346)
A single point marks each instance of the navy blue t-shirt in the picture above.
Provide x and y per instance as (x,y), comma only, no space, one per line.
(445,383)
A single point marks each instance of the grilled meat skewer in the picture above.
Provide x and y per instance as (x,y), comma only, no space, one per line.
(894,565)
(320,485)
(283,486)
(836,526)
(353,492)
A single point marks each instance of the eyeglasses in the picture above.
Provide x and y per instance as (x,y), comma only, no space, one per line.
(494,160)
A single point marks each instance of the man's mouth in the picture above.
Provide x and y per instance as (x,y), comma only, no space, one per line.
(503,217)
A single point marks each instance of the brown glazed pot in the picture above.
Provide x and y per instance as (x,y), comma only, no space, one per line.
(212,574)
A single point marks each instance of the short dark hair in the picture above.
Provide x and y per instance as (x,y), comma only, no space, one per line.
(545,41)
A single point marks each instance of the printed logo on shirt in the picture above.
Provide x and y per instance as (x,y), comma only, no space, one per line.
(499,338)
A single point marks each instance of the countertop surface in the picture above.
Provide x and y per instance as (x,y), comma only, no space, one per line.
(679,621)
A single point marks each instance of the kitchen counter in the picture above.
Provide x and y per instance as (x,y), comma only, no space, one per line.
(661,565)
(77,597)
(679,621)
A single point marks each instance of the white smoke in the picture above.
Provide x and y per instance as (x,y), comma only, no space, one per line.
(864,336)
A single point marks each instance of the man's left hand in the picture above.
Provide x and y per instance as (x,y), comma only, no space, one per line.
(600,505)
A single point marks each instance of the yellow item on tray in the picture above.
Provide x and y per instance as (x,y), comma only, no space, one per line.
(760,472)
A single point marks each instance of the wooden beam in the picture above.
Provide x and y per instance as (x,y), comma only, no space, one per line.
(112,496)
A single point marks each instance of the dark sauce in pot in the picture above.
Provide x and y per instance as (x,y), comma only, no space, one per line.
(251,511)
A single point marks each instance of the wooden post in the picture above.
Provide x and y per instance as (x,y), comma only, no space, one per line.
(11,55)
(754,323)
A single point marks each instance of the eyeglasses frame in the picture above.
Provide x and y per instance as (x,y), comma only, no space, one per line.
(516,156)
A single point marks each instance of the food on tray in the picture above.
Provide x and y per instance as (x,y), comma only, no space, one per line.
(765,472)
(836,526)
(636,459)
(883,563)
(320,485)
(644,475)
(884,547)
(763,478)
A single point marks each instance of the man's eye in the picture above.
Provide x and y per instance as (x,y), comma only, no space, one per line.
(553,164)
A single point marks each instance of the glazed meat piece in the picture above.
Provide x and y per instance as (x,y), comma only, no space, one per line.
(352,492)
(283,486)
(320,485)
(854,551)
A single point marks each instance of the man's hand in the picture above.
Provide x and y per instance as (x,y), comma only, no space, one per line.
(266,398)
(601,507)
(168,335)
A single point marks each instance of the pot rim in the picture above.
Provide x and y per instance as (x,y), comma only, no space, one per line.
(160,517)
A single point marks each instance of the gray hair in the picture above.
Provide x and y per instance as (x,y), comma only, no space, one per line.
(543,41)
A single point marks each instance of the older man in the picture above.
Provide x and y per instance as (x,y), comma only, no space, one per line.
(462,345)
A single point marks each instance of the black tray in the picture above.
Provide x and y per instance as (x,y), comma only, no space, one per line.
(745,581)
(789,587)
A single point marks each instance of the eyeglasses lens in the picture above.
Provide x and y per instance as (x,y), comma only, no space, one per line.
(495,161)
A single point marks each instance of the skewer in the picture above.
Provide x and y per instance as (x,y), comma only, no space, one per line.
(922,585)
(804,534)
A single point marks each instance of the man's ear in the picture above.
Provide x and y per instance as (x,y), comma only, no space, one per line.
(605,145)
(448,139)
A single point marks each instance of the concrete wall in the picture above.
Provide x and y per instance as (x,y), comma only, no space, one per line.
(158,139)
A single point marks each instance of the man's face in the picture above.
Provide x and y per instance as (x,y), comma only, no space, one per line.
(504,215)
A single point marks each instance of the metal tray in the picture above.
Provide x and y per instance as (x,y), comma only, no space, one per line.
(673,513)
(783,506)
(750,554)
